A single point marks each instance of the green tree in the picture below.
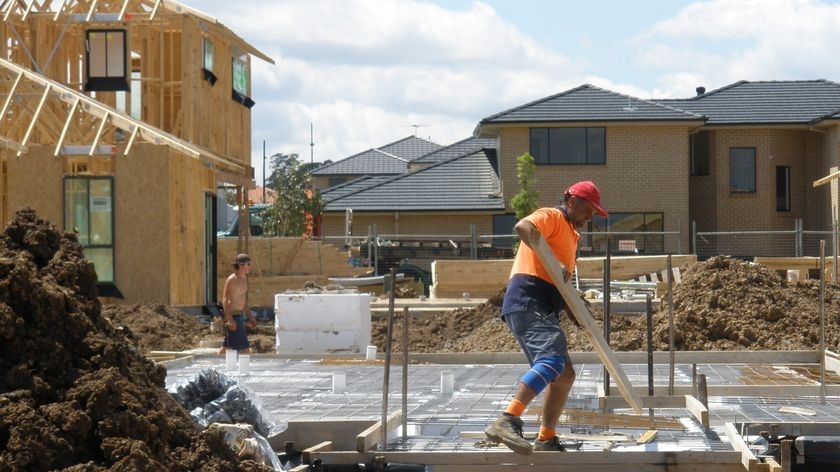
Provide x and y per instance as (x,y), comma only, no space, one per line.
(526,201)
(297,205)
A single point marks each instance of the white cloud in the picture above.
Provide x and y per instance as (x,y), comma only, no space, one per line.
(719,42)
(364,70)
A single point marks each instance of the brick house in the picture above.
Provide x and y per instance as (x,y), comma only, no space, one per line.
(742,157)
(444,192)
(385,161)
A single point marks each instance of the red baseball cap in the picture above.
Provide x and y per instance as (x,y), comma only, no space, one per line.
(588,191)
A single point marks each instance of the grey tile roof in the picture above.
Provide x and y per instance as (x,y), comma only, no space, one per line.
(365,181)
(465,146)
(590,103)
(370,162)
(462,183)
(410,147)
(765,102)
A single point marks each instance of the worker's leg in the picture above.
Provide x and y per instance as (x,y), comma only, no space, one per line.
(544,344)
(555,398)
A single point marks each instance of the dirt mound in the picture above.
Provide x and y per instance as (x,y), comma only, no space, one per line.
(156,327)
(74,393)
(724,303)
(721,304)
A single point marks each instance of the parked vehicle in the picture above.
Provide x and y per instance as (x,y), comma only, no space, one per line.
(256,211)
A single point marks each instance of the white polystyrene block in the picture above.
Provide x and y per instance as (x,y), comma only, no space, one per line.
(322,322)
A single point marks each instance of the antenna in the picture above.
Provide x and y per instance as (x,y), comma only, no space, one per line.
(415,128)
(629,106)
(311,146)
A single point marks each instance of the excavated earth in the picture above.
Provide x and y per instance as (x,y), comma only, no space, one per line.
(721,304)
(75,392)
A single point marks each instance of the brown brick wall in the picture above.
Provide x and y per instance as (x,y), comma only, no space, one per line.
(646,170)
(445,224)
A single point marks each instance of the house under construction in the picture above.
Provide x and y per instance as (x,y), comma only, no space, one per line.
(118,121)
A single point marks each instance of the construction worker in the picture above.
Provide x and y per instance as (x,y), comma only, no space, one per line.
(531,310)
(235,307)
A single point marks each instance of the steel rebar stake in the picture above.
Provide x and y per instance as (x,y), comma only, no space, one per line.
(671,353)
(649,313)
(389,331)
(822,321)
(607,312)
(405,375)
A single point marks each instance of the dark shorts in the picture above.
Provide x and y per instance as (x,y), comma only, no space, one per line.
(237,340)
(539,334)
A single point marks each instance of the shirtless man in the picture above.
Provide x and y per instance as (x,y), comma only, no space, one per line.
(234,301)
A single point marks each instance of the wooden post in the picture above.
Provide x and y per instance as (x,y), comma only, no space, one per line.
(786,456)
(588,324)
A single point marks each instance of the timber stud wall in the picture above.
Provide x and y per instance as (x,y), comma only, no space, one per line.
(646,170)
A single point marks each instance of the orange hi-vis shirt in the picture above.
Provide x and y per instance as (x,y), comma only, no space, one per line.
(562,239)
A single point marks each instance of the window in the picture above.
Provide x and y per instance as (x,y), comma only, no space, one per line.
(240,82)
(207,69)
(333,181)
(700,153)
(89,212)
(107,59)
(782,188)
(568,145)
(742,169)
(625,223)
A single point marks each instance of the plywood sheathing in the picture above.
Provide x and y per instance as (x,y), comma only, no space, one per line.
(142,222)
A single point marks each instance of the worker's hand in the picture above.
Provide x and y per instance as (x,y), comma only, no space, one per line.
(231,325)
(252,323)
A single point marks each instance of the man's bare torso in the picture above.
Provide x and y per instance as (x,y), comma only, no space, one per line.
(237,291)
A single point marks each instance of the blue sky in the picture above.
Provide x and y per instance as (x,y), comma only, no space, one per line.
(364,71)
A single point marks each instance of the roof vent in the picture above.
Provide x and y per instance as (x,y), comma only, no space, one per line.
(701,90)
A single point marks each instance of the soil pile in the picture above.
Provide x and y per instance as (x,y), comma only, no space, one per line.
(721,304)
(725,303)
(157,327)
(74,393)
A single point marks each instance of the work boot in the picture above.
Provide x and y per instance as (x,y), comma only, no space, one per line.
(507,429)
(552,444)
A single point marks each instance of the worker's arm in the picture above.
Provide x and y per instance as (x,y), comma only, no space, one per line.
(228,311)
(530,236)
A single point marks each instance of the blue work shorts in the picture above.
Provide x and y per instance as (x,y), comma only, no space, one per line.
(539,334)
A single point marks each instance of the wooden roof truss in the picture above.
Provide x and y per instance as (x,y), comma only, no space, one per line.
(116,11)
(33,105)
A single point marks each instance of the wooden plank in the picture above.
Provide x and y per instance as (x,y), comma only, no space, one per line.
(697,409)
(647,437)
(774,466)
(582,315)
(629,267)
(748,459)
(32,123)
(369,437)
(486,459)
(616,437)
(306,454)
